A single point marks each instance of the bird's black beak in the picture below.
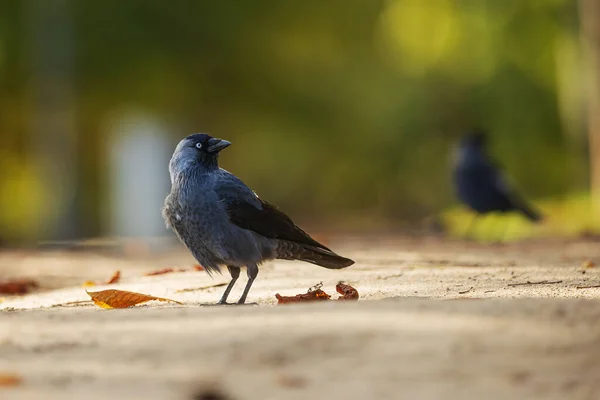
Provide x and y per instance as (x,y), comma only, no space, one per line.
(216,145)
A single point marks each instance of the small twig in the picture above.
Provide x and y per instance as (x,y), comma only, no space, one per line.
(73,303)
(201,288)
(489,291)
(390,277)
(588,287)
(466,291)
(535,283)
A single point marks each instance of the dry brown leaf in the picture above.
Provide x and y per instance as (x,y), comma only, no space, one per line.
(313,294)
(347,292)
(116,277)
(7,380)
(17,286)
(171,270)
(165,271)
(122,299)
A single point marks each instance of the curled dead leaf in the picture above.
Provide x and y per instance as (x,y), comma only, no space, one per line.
(17,286)
(316,293)
(347,292)
(313,294)
(122,299)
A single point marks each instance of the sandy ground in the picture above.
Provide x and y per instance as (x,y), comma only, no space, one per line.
(436,319)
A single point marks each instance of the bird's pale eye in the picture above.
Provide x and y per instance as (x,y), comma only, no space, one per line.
(198,145)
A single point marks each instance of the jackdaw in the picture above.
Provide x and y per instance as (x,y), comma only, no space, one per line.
(224,223)
(479,182)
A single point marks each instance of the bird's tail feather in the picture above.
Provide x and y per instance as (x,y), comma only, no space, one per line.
(531,213)
(315,255)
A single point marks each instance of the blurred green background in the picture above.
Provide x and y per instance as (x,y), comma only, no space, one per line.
(343,113)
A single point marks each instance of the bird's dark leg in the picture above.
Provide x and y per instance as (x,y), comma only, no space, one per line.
(235,274)
(252,274)
(470,226)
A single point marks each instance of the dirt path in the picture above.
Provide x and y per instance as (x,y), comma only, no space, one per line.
(400,341)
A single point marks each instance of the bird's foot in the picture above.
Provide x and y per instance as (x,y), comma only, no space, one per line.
(224,303)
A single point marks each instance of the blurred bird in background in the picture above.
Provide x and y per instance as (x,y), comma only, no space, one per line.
(480,183)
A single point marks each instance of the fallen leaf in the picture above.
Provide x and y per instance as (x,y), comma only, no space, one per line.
(347,292)
(313,294)
(116,277)
(165,271)
(588,264)
(122,299)
(17,286)
(10,380)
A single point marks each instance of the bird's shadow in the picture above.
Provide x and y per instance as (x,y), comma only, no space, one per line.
(228,305)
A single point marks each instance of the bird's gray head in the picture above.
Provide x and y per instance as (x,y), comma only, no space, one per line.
(471,148)
(198,150)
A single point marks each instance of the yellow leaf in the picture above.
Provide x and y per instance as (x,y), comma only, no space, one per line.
(122,299)
(588,264)
(88,284)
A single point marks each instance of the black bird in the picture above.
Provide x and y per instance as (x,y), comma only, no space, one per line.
(224,223)
(480,184)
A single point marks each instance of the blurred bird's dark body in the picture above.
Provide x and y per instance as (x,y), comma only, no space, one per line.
(479,182)
(224,223)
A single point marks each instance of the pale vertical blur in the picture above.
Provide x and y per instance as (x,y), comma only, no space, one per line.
(138,179)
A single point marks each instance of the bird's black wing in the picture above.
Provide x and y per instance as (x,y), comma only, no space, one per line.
(269,222)
(246,210)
